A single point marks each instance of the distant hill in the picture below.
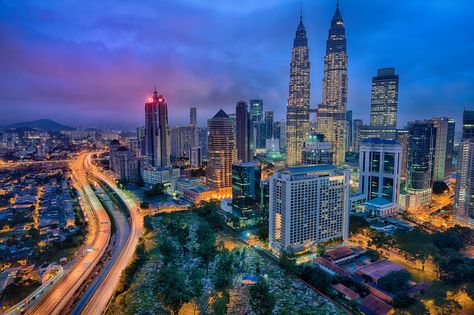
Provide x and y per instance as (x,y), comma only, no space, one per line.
(40,124)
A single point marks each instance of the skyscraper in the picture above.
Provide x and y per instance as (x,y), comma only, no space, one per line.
(379,174)
(384,99)
(443,157)
(421,151)
(316,150)
(256,110)
(221,152)
(468,124)
(245,187)
(193,117)
(297,115)
(156,131)
(464,199)
(332,112)
(243,131)
(356,125)
(308,205)
(349,130)
(269,124)
(403,137)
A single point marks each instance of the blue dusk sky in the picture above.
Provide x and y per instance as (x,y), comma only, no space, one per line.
(95,62)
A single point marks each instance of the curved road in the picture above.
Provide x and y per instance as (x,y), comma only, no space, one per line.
(96,243)
(122,233)
(99,301)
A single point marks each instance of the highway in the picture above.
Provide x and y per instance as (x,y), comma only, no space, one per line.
(9,165)
(121,236)
(99,301)
(95,246)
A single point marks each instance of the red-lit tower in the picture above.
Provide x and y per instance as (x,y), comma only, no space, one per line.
(157,146)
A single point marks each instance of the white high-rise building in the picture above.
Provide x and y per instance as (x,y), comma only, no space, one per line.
(464,199)
(379,175)
(308,205)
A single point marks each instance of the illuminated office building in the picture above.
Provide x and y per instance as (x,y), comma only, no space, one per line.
(243,131)
(308,205)
(464,199)
(332,112)
(157,142)
(221,152)
(384,99)
(297,116)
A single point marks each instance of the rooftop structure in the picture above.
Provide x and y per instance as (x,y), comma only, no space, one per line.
(372,305)
(379,269)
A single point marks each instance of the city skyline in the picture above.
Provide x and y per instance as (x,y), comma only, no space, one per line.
(179,157)
(49,62)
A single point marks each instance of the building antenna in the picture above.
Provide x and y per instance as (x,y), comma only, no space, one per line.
(301,10)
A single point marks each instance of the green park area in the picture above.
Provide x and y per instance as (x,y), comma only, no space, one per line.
(189,263)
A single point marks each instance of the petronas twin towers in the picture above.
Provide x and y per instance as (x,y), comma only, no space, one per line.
(331,112)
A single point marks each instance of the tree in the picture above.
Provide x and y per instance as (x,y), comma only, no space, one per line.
(416,244)
(262,233)
(444,240)
(439,187)
(182,234)
(395,281)
(379,240)
(372,254)
(147,223)
(219,306)
(465,234)
(196,286)
(357,224)
(144,205)
(223,271)
(120,183)
(316,278)
(172,288)
(206,242)
(288,262)
(403,300)
(167,250)
(261,299)
(157,190)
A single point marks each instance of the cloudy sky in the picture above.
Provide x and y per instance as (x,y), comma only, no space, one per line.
(95,62)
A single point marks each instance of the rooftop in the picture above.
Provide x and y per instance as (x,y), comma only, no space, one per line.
(329,265)
(380,269)
(221,114)
(375,305)
(339,287)
(339,252)
(310,168)
(379,141)
(379,202)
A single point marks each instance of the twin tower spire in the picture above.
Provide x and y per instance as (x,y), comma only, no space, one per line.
(332,110)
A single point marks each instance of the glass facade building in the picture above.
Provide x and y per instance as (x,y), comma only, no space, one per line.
(246,192)
(379,169)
